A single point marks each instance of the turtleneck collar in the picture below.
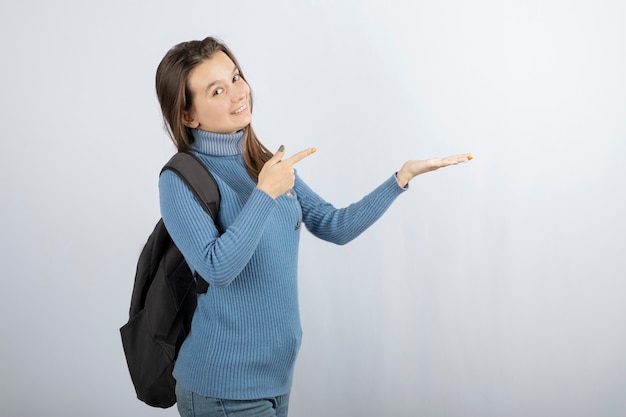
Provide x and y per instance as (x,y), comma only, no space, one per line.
(217,144)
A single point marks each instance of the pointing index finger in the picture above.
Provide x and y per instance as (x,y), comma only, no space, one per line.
(297,157)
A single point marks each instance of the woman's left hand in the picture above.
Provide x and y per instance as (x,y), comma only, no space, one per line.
(411,169)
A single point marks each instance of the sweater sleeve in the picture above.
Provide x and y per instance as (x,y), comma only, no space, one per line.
(342,225)
(219,259)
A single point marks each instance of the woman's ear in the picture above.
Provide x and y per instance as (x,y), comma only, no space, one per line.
(189,120)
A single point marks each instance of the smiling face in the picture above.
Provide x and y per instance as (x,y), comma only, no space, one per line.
(220,96)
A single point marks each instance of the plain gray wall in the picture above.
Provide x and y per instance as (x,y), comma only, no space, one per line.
(490,289)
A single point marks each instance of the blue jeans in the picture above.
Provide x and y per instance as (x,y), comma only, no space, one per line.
(191,404)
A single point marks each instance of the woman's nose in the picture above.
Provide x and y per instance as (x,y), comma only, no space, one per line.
(240,93)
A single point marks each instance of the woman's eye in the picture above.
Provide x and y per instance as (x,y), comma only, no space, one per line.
(218,91)
(237,77)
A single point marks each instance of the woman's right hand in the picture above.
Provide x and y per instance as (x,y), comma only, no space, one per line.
(277,176)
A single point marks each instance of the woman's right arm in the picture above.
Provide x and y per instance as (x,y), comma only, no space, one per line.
(219,259)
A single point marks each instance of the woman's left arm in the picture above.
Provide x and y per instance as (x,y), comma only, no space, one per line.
(342,225)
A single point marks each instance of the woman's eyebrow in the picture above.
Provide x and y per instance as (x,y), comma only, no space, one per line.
(212,83)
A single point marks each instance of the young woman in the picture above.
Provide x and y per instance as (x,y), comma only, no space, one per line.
(239,356)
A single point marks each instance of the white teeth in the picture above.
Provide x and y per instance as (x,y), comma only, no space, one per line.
(240,109)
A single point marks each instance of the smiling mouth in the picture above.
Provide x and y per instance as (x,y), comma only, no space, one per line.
(240,109)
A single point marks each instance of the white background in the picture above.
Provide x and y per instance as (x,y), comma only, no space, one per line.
(490,289)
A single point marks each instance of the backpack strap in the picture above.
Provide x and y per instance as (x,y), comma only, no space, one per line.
(198,178)
(202,183)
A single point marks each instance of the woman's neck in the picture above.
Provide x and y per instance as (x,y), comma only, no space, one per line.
(218,144)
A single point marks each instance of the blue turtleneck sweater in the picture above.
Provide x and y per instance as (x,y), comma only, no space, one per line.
(246,332)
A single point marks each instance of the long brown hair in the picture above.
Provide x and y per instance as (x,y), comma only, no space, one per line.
(175,98)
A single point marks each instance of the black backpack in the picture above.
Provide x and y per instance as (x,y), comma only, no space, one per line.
(164,296)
